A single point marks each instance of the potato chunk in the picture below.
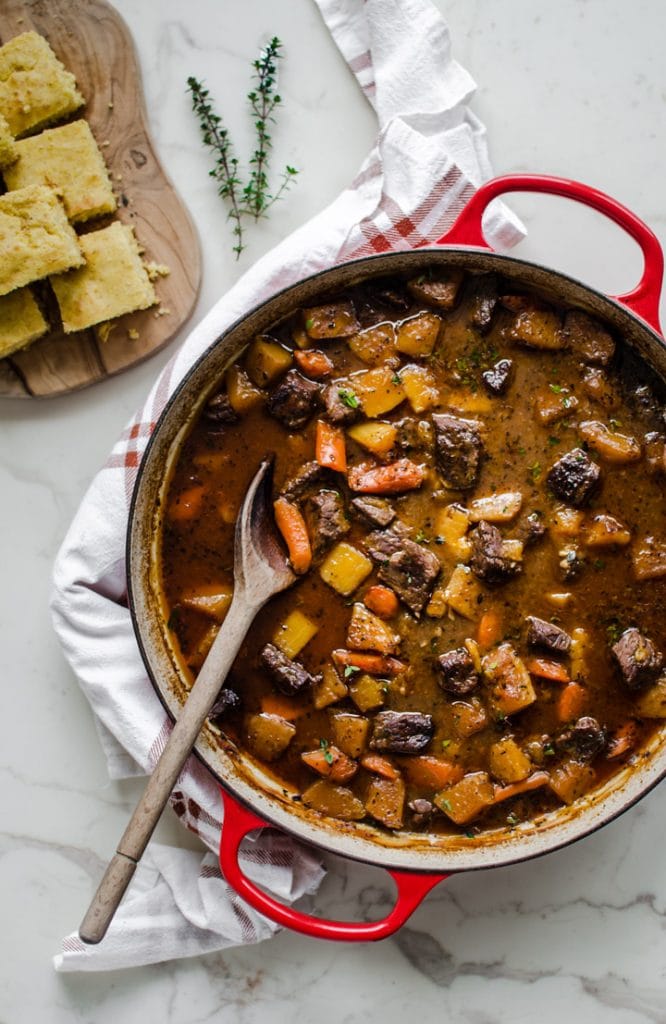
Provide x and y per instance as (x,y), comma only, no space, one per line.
(350,732)
(295,632)
(469,717)
(571,780)
(378,438)
(550,406)
(345,568)
(336,801)
(420,387)
(606,531)
(332,320)
(268,736)
(379,390)
(367,692)
(451,524)
(465,801)
(367,632)
(385,801)
(511,688)
(329,690)
(652,702)
(266,360)
(212,601)
(496,508)
(418,335)
(375,345)
(537,328)
(609,444)
(241,391)
(508,762)
(463,591)
(649,559)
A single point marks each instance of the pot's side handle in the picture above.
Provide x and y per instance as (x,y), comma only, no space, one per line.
(238,821)
(643,300)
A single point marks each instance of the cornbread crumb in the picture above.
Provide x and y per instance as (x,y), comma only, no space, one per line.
(133,334)
(155,270)
(8,152)
(36,239)
(68,160)
(35,88)
(113,281)
(104,330)
(21,321)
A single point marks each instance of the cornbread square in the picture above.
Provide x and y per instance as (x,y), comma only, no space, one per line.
(68,160)
(35,88)
(113,281)
(36,239)
(8,152)
(21,321)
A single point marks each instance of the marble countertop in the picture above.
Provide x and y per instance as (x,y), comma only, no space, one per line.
(576,88)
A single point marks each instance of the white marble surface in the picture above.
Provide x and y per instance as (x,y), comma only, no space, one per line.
(576,88)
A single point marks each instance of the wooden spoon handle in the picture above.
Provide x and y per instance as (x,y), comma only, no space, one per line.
(178,748)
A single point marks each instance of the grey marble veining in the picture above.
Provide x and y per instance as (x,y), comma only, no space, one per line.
(576,88)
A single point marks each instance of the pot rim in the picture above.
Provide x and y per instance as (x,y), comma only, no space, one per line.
(526,841)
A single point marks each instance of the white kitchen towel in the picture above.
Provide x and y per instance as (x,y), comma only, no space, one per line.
(429,158)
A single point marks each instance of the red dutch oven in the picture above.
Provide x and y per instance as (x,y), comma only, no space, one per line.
(253,799)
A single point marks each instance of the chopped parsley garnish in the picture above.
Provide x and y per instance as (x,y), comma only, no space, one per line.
(309,323)
(511,819)
(396,379)
(445,805)
(549,750)
(328,756)
(535,470)
(445,744)
(420,537)
(557,388)
(553,440)
(350,670)
(613,632)
(599,563)
(349,398)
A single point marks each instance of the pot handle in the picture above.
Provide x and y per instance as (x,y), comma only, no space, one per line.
(238,821)
(643,300)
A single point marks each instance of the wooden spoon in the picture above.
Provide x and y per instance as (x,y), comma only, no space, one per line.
(260,572)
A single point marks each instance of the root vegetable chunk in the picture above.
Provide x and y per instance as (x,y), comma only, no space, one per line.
(511,688)
(268,736)
(508,762)
(336,801)
(350,732)
(467,799)
(385,801)
(345,568)
(417,336)
(367,632)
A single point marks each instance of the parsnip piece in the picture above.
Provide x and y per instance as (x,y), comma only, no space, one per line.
(510,685)
(336,801)
(367,692)
(266,360)
(451,524)
(268,736)
(241,391)
(649,558)
(571,780)
(508,762)
(610,445)
(605,531)
(463,591)
(350,732)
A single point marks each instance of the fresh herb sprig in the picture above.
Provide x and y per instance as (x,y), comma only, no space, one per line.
(263,102)
(216,137)
(254,198)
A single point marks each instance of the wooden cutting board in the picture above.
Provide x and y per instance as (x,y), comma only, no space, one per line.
(93,42)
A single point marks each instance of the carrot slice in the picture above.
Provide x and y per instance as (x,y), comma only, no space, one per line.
(394,477)
(187,505)
(291,525)
(571,703)
(313,363)
(331,763)
(330,450)
(382,601)
(373,664)
(534,781)
(546,669)
(431,772)
(285,707)
(490,628)
(380,766)
(622,740)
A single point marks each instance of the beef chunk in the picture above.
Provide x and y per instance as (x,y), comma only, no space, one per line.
(638,659)
(326,517)
(458,449)
(310,475)
(588,338)
(401,732)
(219,410)
(496,380)
(337,410)
(227,700)
(294,400)
(583,740)
(404,565)
(532,529)
(375,511)
(421,811)
(389,293)
(488,560)
(544,634)
(414,435)
(440,290)
(457,673)
(483,302)
(574,478)
(289,676)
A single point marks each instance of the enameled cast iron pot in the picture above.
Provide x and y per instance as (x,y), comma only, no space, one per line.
(252,799)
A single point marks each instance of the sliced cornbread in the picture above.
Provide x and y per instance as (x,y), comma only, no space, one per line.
(36,239)
(35,88)
(8,152)
(112,282)
(21,321)
(68,160)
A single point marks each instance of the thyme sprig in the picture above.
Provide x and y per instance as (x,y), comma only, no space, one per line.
(263,101)
(216,137)
(254,198)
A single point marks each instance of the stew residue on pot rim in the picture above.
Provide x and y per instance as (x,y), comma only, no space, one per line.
(470,482)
